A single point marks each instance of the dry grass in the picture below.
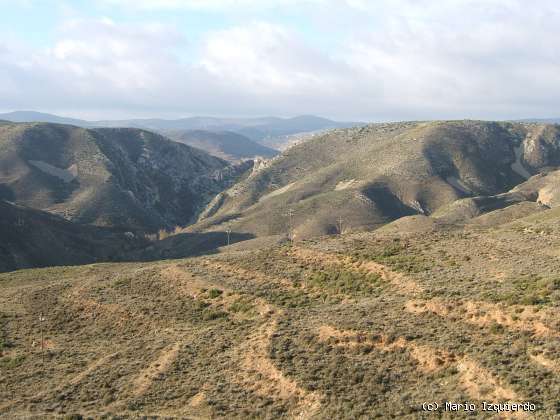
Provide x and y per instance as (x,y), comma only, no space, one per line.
(354,326)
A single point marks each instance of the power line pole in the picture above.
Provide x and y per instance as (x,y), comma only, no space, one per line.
(228,232)
(339,225)
(290,215)
(41,319)
(20,223)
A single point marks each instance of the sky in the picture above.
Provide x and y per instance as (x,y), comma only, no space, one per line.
(366,60)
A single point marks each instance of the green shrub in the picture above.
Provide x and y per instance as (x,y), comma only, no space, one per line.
(240,305)
(211,314)
(12,362)
(345,282)
(214,293)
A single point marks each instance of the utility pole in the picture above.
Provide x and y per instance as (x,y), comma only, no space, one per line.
(20,222)
(41,319)
(228,232)
(290,215)
(339,225)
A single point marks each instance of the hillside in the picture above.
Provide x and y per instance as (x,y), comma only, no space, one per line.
(353,326)
(32,238)
(128,178)
(366,177)
(453,297)
(262,130)
(277,132)
(225,145)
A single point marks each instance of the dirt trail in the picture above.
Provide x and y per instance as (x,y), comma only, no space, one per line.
(92,368)
(398,280)
(429,359)
(260,375)
(477,381)
(198,399)
(258,371)
(117,314)
(159,366)
(192,286)
(481,385)
(516,317)
(185,282)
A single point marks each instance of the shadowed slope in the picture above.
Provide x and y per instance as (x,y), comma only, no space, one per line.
(111,177)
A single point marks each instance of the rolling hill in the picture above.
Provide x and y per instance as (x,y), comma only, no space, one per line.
(128,178)
(366,177)
(264,130)
(226,144)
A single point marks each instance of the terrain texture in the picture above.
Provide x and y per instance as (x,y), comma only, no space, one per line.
(367,325)
(273,132)
(370,270)
(32,238)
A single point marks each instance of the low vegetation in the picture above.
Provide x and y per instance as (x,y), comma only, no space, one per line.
(321,328)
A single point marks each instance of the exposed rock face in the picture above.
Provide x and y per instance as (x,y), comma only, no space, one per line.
(541,147)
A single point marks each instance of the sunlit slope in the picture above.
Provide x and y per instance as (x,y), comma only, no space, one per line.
(363,325)
(366,177)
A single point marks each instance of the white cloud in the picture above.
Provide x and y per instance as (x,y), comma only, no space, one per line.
(262,58)
(209,5)
(395,59)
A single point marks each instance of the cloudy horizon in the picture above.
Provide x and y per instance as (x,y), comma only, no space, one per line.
(343,59)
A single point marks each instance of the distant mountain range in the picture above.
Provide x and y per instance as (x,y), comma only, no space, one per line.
(541,120)
(272,132)
(224,144)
